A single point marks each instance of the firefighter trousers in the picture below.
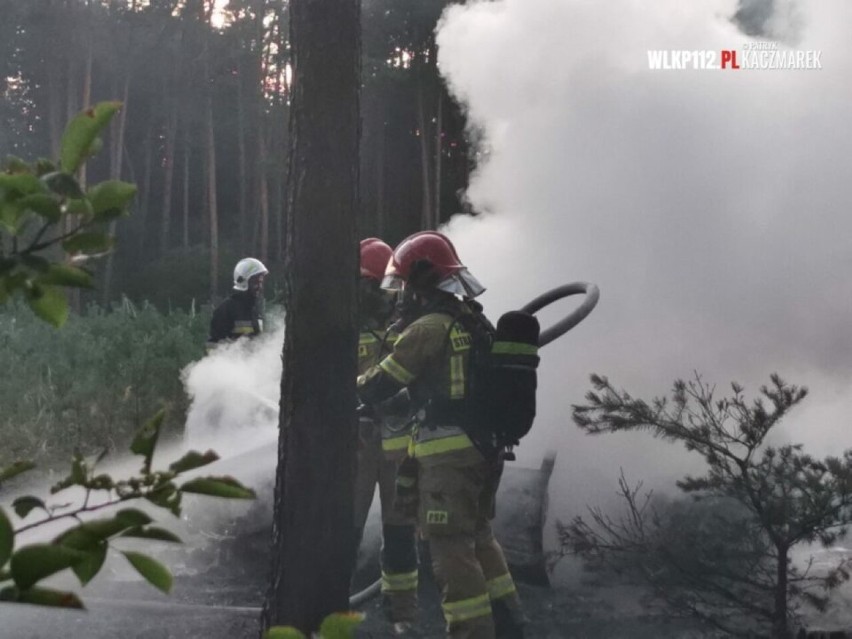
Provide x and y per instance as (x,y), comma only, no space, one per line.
(479,599)
(399,550)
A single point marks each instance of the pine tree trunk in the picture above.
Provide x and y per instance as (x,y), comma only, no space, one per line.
(185,209)
(212,204)
(781,629)
(168,179)
(426,182)
(242,170)
(439,145)
(74,298)
(54,83)
(145,191)
(380,174)
(313,521)
(210,160)
(263,195)
(118,127)
(278,141)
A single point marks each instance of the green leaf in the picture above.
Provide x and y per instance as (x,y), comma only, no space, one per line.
(110,199)
(16,468)
(145,441)
(12,216)
(81,132)
(24,505)
(283,632)
(65,275)
(20,184)
(50,597)
(193,459)
(340,625)
(43,166)
(63,184)
(89,534)
(49,303)
(95,147)
(41,597)
(33,563)
(92,564)
(155,572)
(36,263)
(152,532)
(166,497)
(227,487)
(79,206)
(132,517)
(43,204)
(14,164)
(7,538)
(88,243)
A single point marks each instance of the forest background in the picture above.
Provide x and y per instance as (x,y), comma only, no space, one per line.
(205,91)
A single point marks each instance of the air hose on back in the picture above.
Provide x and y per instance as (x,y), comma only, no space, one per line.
(576,316)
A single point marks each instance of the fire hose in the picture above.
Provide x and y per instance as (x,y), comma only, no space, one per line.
(548,335)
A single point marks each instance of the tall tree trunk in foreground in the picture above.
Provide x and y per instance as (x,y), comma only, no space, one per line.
(313,524)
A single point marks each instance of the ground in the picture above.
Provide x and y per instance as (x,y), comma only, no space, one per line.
(204,608)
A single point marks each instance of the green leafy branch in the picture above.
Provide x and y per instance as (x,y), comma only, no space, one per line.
(83,548)
(43,206)
(339,625)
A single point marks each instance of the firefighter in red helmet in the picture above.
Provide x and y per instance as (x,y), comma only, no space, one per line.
(454,482)
(383,443)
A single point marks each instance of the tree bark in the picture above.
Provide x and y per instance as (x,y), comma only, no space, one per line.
(118,127)
(313,521)
(185,203)
(426,182)
(439,145)
(210,152)
(242,170)
(781,628)
(145,191)
(168,178)
(263,195)
(380,174)
(75,301)
(212,204)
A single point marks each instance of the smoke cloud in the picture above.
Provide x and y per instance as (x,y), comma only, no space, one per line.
(774,19)
(711,208)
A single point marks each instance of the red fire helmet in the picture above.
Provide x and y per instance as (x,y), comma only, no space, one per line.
(375,255)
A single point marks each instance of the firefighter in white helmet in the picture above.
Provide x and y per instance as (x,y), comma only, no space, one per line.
(240,315)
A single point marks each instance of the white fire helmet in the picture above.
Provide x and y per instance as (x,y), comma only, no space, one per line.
(245,269)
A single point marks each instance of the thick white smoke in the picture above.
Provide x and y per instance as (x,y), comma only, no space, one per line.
(711,207)
(234,394)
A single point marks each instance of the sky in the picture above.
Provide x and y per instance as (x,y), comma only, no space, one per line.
(711,207)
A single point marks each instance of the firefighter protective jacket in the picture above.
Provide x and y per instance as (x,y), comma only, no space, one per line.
(430,358)
(238,316)
(373,346)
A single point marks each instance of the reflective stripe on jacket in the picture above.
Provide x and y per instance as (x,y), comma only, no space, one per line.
(431,359)
(238,316)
